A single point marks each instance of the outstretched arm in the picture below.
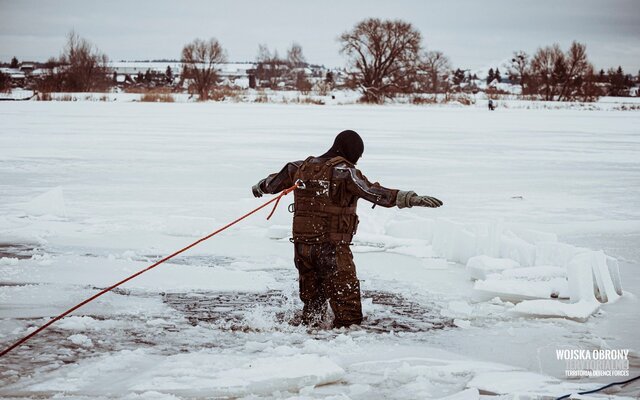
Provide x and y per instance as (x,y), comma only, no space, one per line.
(277,182)
(359,185)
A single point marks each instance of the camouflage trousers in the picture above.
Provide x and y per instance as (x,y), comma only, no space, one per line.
(327,272)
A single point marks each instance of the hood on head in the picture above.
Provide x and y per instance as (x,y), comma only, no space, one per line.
(347,144)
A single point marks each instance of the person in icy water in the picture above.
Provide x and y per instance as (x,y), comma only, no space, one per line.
(324,222)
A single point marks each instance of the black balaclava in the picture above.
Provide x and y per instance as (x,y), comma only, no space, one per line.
(348,144)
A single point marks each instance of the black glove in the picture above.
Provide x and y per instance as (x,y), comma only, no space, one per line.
(257,192)
(411,199)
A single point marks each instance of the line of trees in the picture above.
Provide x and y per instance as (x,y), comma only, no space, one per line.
(552,74)
(274,71)
(385,58)
(556,75)
(200,60)
(617,82)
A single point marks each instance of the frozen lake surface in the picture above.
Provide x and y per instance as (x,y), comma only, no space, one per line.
(92,192)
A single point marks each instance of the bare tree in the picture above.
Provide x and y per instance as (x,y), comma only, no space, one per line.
(270,67)
(519,70)
(200,60)
(295,58)
(264,54)
(563,76)
(576,67)
(297,62)
(589,90)
(83,68)
(545,66)
(618,85)
(382,55)
(435,67)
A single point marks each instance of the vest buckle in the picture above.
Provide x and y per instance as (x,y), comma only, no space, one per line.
(300,184)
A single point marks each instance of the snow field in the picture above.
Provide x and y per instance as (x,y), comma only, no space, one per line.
(97,191)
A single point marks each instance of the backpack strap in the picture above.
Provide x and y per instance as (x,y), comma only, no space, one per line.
(338,160)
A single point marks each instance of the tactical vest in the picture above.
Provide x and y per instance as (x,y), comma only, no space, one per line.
(323,210)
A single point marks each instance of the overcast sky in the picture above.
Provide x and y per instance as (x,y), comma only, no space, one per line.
(473,33)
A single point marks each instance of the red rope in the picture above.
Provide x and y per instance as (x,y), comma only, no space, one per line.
(95,296)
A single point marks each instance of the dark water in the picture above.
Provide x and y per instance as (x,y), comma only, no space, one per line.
(20,251)
(394,313)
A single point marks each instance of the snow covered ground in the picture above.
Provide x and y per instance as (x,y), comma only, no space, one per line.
(91,192)
(346,97)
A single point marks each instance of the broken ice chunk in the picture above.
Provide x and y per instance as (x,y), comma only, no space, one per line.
(479,267)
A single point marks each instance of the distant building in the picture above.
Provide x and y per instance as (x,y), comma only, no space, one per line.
(234,74)
(16,76)
(27,68)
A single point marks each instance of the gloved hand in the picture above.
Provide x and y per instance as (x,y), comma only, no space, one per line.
(257,192)
(410,199)
(424,201)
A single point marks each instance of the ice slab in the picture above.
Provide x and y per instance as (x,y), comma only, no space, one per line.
(556,253)
(594,275)
(536,273)
(188,226)
(518,289)
(412,229)
(201,373)
(549,308)
(505,382)
(261,376)
(49,203)
(168,277)
(479,267)
(535,236)
(516,248)
(454,241)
